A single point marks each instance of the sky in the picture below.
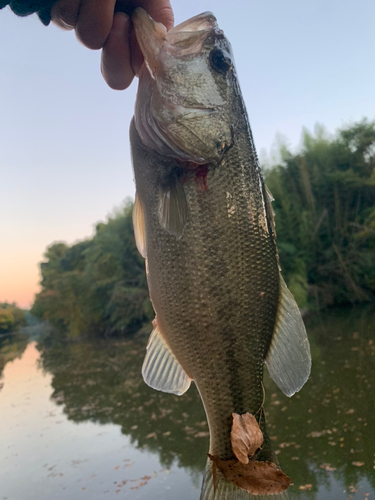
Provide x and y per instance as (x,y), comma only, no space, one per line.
(64,149)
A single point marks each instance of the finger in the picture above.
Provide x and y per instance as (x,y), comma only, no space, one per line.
(94,22)
(116,62)
(160,11)
(64,13)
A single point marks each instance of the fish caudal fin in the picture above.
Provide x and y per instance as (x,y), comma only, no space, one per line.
(216,487)
(245,477)
(288,358)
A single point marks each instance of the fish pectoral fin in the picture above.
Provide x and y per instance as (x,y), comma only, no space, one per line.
(161,370)
(173,208)
(289,359)
(139,226)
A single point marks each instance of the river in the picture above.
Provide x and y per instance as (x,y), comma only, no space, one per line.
(78,422)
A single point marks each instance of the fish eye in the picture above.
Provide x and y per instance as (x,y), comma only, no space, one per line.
(220,60)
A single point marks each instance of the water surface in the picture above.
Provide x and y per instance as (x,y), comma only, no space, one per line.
(78,422)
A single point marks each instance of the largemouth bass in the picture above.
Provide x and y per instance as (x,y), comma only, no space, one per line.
(204,223)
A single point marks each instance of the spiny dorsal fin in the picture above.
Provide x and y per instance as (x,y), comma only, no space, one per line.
(139,226)
(161,370)
(269,194)
(269,199)
(289,359)
(173,208)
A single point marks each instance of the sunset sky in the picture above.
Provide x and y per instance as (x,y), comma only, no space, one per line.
(64,149)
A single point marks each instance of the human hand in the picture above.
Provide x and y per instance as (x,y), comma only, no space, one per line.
(106,25)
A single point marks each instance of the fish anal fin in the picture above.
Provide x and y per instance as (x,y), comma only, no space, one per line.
(245,436)
(139,226)
(288,359)
(173,208)
(160,369)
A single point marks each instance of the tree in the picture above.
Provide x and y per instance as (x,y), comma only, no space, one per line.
(97,286)
(325,216)
(11,317)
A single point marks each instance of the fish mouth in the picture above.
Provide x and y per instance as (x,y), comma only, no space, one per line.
(204,21)
(185,38)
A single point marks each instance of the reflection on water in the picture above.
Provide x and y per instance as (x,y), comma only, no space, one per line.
(11,347)
(137,443)
(102,382)
(325,434)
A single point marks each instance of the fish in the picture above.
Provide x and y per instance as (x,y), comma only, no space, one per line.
(204,223)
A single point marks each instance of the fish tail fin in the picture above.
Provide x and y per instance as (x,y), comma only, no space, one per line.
(216,487)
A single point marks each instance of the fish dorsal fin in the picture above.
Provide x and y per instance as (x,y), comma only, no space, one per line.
(269,194)
(173,208)
(161,370)
(269,199)
(289,359)
(139,226)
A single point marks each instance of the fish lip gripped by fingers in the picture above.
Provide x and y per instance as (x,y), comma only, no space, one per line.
(151,37)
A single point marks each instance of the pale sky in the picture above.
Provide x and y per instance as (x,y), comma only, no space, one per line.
(64,149)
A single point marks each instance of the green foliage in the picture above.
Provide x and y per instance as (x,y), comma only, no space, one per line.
(11,317)
(97,286)
(325,216)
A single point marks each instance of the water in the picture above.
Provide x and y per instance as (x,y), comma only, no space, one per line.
(78,422)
